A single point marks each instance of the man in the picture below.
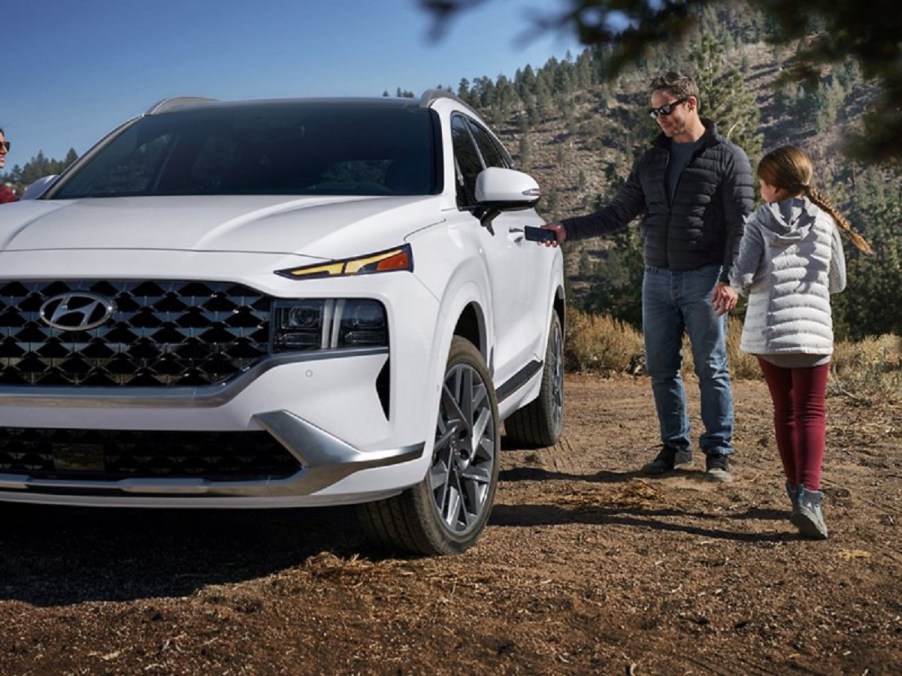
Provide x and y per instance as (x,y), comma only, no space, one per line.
(694,189)
(6,195)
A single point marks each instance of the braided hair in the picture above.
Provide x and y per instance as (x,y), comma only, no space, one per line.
(788,167)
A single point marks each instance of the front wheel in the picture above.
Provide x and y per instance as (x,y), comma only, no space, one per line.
(448,510)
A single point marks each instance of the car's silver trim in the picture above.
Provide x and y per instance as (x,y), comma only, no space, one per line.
(122,501)
(206,396)
(325,460)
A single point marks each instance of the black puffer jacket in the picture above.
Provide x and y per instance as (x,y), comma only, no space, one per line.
(703,224)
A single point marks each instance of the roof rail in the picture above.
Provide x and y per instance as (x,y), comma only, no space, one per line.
(174,103)
(431,95)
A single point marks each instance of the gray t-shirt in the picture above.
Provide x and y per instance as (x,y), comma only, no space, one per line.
(680,153)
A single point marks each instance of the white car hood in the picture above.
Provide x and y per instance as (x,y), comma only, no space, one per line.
(319,227)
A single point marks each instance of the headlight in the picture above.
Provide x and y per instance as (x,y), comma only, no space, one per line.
(329,324)
(391,260)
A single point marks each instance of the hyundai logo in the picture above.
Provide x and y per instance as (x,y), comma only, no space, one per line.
(77,311)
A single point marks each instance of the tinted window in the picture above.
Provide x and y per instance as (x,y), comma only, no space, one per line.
(275,148)
(467,161)
(492,155)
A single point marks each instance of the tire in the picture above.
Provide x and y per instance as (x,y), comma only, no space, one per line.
(541,422)
(448,510)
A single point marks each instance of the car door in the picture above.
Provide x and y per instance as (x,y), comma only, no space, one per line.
(518,270)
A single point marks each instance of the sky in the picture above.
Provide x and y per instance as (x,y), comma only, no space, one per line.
(76,69)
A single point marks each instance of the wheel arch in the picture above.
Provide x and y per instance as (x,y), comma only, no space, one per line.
(471,324)
(560,307)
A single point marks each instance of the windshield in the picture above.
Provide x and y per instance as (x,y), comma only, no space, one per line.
(276,148)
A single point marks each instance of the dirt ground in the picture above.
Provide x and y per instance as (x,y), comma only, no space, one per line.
(586,567)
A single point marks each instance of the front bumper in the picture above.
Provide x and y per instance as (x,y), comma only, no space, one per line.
(324,459)
(324,412)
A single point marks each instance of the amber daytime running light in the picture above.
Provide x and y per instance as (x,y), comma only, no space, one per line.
(399,258)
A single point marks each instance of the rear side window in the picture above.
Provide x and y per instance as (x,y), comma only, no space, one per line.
(260,149)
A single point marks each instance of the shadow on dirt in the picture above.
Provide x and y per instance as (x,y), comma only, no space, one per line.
(60,556)
(631,515)
(539,474)
(528,516)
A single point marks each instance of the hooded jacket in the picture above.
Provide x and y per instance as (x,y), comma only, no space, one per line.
(701,225)
(790,261)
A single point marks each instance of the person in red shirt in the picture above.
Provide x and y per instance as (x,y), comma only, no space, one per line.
(6,194)
(4,148)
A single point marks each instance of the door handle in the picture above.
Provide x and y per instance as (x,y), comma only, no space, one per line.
(515,234)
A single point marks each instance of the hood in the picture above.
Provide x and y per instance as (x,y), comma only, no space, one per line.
(319,227)
(787,221)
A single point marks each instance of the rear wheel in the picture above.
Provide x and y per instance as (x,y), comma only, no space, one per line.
(541,421)
(448,510)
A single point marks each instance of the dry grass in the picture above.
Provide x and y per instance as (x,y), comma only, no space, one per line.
(870,368)
(598,343)
(601,344)
(742,364)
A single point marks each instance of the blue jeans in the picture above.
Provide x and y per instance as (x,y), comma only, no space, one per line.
(674,303)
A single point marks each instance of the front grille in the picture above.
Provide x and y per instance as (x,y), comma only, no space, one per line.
(160,334)
(111,455)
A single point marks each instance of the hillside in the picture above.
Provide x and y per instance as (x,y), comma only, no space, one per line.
(579,134)
(559,156)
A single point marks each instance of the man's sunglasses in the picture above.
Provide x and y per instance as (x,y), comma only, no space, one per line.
(5,144)
(666,109)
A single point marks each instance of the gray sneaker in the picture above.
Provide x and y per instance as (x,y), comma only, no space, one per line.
(807,516)
(667,460)
(718,467)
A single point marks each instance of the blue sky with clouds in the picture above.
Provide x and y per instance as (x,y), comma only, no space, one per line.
(74,69)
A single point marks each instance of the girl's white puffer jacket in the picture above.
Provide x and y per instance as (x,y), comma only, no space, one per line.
(790,261)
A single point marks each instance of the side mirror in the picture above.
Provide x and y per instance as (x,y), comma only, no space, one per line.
(499,190)
(39,187)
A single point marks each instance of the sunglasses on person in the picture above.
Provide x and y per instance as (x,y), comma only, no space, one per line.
(5,144)
(666,109)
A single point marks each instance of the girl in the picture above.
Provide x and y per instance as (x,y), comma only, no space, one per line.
(790,261)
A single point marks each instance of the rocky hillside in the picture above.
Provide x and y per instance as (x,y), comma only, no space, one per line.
(572,165)
(586,144)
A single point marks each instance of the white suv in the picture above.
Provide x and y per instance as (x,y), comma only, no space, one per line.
(278,304)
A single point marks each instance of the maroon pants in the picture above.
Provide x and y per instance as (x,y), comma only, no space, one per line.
(800,419)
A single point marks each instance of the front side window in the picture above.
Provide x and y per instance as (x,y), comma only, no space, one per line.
(492,154)
(467,161)
(474,150)
(283,148)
